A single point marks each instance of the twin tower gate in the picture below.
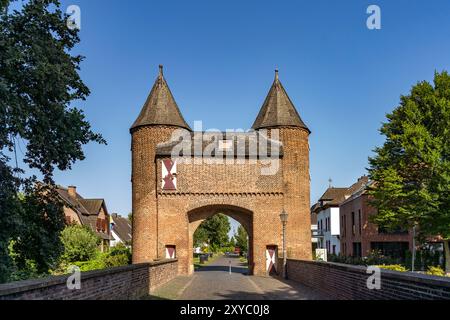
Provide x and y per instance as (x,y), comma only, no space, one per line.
(181,177)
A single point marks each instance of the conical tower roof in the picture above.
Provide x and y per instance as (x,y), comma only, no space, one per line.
(160,107)
(278,109)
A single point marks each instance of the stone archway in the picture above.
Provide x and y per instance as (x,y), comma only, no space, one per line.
(241,215)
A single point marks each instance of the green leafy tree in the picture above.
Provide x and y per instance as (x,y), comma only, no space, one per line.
(42,220)
(10,211)
(241,238)
(412,168)
(201,236)
(39,82)
(232,242)
(213,231)
(80,244)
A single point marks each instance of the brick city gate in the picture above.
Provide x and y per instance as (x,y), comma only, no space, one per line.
(180,177)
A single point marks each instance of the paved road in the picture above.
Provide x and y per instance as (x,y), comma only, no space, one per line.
(214,282)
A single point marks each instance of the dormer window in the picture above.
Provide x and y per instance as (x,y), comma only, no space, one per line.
(225,145)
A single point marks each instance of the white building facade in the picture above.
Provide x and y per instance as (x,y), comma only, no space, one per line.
(328,228)
(327,215)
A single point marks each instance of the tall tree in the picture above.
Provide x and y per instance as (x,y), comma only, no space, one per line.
(412,168)
(213,231)
(241,238)
(39,82)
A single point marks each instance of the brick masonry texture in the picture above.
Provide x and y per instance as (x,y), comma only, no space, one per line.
(369,231)
(121,283)
(162,218)
(345,282)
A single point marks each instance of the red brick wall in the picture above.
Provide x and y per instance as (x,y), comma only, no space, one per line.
(369,230)
(121,283)
(163,218)
(346,282)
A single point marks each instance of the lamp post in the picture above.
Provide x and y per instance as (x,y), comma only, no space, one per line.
(284,220)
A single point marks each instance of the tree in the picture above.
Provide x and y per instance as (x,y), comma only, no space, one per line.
(80,244)
(42,220)
(39,82)
(412,169)
(213,231)
(241,238)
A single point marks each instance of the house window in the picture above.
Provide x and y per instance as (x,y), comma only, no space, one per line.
(353,224)
(391,249)
(345,224)
(225,145)
(357,252)
(360,222)
(334,249)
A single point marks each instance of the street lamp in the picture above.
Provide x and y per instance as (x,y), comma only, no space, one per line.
(284,220)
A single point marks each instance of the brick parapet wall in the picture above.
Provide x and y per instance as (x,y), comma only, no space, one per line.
(341,281)
(120,283)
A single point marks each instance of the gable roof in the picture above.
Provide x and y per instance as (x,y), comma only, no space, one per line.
(121,227)
(333,194)
(334,197)
(160,107)
(92,206)
(87,210)
(278,109)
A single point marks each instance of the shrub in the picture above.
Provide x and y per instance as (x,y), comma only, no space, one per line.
(94,264)
(116,257)
(80,244)
(393,267)
(119,255)
(377,258)
(436,271)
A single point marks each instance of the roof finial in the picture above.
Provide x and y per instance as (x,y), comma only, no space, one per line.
(276,74)
(161,70)
(331,182)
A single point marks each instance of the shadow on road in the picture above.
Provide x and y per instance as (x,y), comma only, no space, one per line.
(234,269)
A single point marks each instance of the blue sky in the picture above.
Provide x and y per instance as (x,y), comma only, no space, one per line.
(219,58)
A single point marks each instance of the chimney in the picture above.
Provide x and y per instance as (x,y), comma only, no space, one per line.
(72,190)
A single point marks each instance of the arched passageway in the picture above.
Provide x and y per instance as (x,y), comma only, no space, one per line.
(241,215)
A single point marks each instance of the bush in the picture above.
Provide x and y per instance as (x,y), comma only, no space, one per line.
(393,267)
(116,257)
(436,271)
(119,255)
(80,244)
(95,264)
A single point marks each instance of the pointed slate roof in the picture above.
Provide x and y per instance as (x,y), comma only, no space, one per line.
(278,109)
(160,107)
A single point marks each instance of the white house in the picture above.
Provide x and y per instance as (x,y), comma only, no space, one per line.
(328,219)
(120,230)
